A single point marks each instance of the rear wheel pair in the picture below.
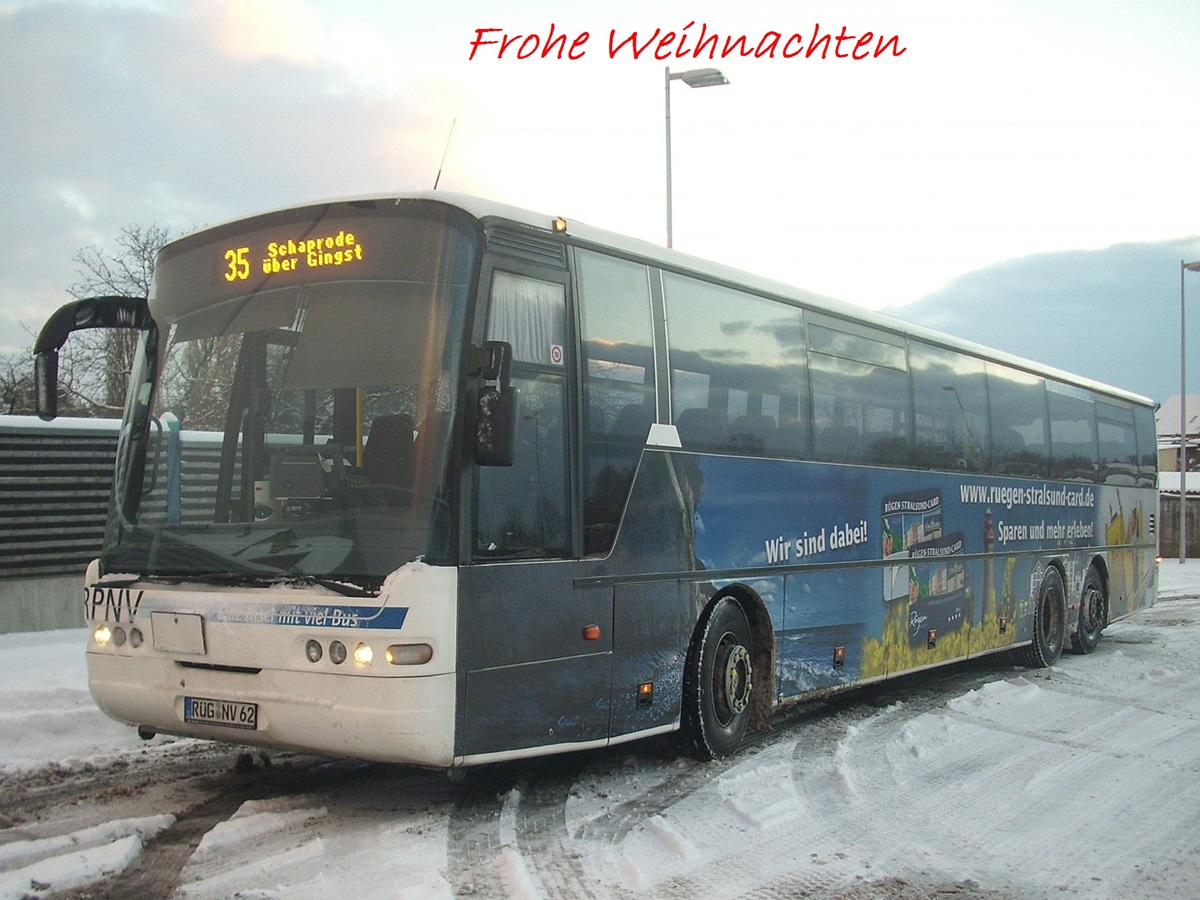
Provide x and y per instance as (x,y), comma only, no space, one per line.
(1050,619)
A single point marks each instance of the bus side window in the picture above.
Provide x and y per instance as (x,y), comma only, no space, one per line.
(521,511)
(950,403)
(618,387)
(1020,444)
(1147,446)
(860,395)
(738,379)
(1118,441)
(1072,433)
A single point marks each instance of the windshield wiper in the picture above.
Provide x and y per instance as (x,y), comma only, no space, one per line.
(345,588)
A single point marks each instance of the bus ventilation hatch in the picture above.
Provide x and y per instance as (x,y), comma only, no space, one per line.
(527,246)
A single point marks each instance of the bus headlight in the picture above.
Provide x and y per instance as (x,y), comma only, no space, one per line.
(363,654)
(313,651)
(103,635)
(409,654)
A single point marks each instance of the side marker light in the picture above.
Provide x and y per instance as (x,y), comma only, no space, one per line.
(645,695)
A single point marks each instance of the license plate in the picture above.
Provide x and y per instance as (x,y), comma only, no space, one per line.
(228,713)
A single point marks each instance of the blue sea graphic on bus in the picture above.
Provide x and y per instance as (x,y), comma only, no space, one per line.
(805,664)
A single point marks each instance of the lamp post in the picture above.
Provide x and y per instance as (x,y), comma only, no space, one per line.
(695,78)
(1184,267)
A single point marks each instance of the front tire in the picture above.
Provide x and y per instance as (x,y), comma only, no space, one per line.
(1093,613)
(719,684)
(1049,623)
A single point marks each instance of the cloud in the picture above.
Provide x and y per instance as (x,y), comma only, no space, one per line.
(182,117)
(263,29)
(1111,315)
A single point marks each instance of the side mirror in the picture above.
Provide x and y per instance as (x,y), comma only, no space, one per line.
(496,417)
(94,312)
(45,383)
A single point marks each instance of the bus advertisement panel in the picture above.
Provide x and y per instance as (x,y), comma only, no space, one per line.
(899,577)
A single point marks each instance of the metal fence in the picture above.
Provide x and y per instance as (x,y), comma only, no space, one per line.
(54,487)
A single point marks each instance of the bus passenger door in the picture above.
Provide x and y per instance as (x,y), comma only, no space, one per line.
(536,653)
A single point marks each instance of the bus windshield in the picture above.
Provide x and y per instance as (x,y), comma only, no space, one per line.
(301,382)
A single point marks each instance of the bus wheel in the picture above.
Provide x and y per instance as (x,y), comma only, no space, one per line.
(1049,623)
(1093,613)
(720,683)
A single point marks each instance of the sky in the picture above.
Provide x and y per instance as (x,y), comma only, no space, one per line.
(1006,130)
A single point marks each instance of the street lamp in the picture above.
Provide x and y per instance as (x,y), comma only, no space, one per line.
(1183,268)
(696,78)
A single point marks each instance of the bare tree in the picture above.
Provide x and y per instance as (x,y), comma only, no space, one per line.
(95,365)
(16,384)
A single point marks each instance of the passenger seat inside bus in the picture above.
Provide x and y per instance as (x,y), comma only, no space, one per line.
(388,453)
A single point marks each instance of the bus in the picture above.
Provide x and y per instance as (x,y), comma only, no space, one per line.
(431,480)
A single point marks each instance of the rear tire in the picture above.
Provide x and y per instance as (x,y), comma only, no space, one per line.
(718,684)
(1093,613)
(1049,624)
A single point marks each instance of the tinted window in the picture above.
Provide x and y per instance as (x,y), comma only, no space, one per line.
(1018,419)
(1147,443)
(618,386)
(1072,432)
(737,370)
(860,396)
(950,406)
(1117,436)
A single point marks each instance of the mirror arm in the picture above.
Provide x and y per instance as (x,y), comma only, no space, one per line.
(93,312)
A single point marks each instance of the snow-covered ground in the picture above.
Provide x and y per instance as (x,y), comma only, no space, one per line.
(1082,781)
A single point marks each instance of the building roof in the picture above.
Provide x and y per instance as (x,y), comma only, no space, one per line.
(1168,483)
(1166,420)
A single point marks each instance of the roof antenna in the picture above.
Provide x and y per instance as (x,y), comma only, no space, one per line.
(444,152)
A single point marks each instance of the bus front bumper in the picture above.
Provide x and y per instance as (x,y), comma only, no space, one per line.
(381,719)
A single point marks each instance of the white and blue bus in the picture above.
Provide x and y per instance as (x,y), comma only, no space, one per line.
(432,480)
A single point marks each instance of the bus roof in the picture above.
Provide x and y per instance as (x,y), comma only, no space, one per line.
(579,233)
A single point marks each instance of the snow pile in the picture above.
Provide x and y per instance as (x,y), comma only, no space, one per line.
(46,713)
(29,867)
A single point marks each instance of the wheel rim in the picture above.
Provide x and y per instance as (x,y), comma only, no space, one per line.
(1092,600)
(732,678)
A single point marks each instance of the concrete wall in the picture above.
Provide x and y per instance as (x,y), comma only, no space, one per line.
(41,604)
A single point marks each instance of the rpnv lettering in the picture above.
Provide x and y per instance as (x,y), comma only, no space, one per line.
(111,604)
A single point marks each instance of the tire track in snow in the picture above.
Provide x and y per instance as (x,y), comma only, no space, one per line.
(474,842)
(542,834)
(156,872)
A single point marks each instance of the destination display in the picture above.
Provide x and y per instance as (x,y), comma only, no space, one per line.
(302,253)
